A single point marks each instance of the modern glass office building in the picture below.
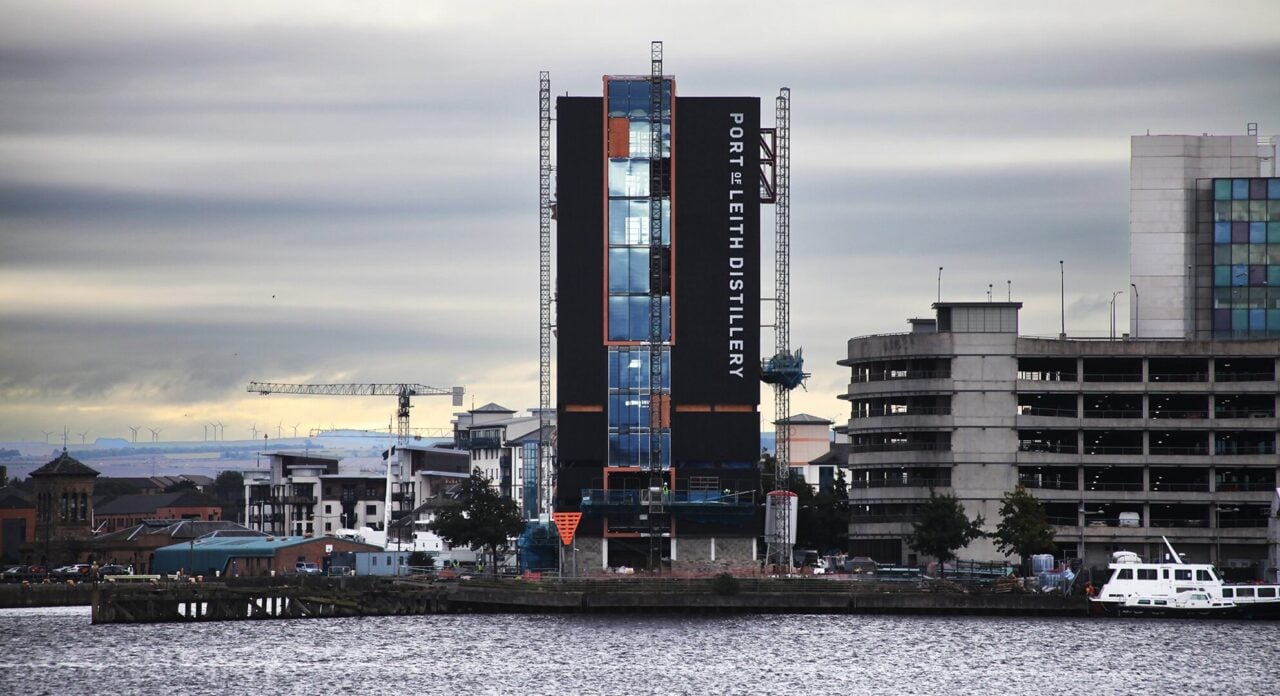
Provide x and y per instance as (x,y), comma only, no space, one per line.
(1245,215)
(657,253)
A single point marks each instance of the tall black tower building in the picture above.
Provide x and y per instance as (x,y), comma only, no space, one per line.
(658,256)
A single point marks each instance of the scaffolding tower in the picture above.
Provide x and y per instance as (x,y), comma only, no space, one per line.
(545,319)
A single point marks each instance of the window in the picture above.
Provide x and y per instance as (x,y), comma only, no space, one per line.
(1182,574)
(1266,592)
(1124,574)
(1204,576)
(1228,592)
(328,509)
(373,560)
(1147,574)
(371,509)
(1244,591)
(328,526)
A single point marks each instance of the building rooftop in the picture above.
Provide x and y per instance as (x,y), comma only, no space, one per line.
(491,408)
(803,419)
(64,465)
(142,503)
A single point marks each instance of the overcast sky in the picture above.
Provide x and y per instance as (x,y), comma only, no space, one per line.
(194,195)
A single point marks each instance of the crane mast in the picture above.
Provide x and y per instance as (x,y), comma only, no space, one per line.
(785,370)
(657,285)
(402,391)
(545,319)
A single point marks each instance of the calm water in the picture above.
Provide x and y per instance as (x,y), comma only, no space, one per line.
(57,651)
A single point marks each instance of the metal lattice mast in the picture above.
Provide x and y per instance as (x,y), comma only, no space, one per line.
(544,284)
(655,255)
(656,284)
(782,319)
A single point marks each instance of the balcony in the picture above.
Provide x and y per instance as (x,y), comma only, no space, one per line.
(477,443)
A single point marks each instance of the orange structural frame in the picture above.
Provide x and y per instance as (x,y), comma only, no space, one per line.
(567,525)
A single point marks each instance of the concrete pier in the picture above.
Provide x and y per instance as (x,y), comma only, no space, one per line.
(328,597)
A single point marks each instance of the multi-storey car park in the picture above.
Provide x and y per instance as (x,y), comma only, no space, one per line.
(1124,441)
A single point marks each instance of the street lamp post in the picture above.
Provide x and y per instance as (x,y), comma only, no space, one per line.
(1114,294)
(1136,330)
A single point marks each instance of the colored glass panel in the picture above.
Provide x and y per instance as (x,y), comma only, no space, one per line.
(1257,232)
(1222,189)
(1240,211)
(1240,189)
(1273,189)
(1221,253)
(1239,233)
(1257,320)
(1221,233)
(1257,211)
(1258,188)
(1239,320)
(1273,211)
(1239,274)
(1221,276)
(1273,320)
(1257,275)
(1273,276)
(1222,320)
(1273,232)
(1239,253)
(1221,211)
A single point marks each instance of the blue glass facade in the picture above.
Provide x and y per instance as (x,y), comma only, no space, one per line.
(634,192)
(1246,258)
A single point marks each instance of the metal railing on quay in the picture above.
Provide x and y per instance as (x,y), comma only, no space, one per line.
(1167,414)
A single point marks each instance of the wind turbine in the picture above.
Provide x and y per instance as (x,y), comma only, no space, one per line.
(206,432)
(47,433)
(295,429)
(155,434)
(223,428)
(279,429)
(254,429)
(82,436)
(135,431)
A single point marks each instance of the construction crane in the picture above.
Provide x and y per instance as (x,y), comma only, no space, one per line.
(546,325)
(658,181)
(402,391)
(785,370)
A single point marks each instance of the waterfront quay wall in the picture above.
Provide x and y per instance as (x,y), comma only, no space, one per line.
(61,594)
(330,597)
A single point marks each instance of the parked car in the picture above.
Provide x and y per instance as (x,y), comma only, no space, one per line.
(306,568)
(114,570)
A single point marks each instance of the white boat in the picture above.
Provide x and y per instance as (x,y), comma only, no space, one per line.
(1178,589)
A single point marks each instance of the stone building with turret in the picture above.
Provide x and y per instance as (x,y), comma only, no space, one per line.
(64,508)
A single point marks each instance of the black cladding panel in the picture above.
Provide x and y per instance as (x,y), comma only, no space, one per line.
(716,358)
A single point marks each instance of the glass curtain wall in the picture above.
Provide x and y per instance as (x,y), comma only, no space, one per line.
(633,191)
(1246,258)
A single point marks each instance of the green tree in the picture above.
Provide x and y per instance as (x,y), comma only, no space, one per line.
(484,520)
(183,485)
(228,488)
(1024,526)
(941,527)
